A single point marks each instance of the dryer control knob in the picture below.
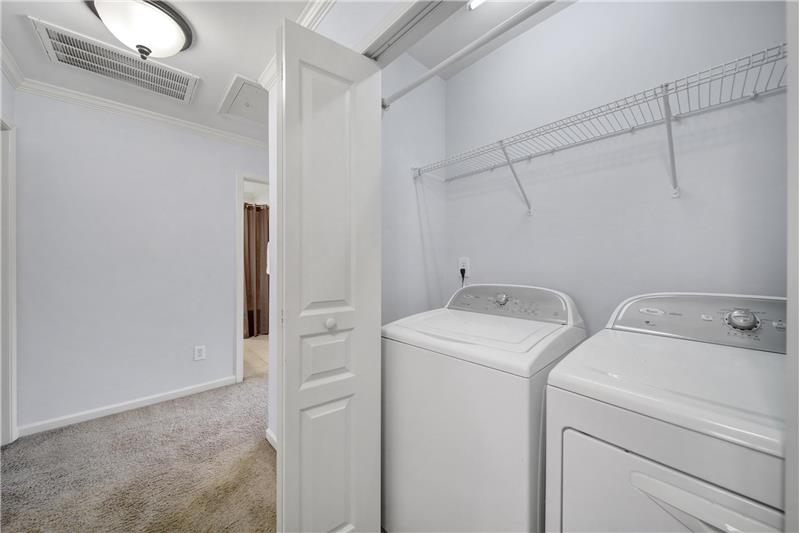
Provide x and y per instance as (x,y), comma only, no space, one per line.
(501,299)
(742,319)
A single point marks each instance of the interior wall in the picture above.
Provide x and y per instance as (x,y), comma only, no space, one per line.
(126,250)
(413,133)
(604,225)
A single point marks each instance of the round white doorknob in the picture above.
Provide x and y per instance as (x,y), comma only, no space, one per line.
(330,322)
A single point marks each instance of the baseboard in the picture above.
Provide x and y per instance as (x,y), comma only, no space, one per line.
(272,438)
(99,412)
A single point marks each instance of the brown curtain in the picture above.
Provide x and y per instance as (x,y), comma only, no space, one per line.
(256,280)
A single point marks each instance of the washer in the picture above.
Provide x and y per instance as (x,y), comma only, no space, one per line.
(671,419)
(463,394)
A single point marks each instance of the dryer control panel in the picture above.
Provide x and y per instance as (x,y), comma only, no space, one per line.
(515,301)
(757,323)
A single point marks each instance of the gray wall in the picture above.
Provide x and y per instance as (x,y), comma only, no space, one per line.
(413,209)
(604,226)
(126,242)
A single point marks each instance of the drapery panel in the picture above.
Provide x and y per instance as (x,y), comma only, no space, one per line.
(256,280)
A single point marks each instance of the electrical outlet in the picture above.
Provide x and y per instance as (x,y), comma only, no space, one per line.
(199,353)
(463,262)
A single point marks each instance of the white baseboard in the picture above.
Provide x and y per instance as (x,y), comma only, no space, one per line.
(272,438)
(99,412)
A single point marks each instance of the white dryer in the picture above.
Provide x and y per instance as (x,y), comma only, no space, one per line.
(463,394)
(671,419)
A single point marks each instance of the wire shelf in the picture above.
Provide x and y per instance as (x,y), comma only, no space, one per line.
(760,73)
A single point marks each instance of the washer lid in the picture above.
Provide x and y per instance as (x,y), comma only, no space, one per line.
(515,345)
(731,393)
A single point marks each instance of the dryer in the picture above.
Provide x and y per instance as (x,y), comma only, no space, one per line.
(671,419)
(463,393)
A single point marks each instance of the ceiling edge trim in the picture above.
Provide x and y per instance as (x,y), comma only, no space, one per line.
(313,13)
(269,77)
(11,67)
(95,102)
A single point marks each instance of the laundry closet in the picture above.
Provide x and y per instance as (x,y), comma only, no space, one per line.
(606,171)
(605,222)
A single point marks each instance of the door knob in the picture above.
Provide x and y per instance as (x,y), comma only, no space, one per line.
(330,323)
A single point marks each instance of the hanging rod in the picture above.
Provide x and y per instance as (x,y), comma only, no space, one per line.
(490,35)
(758,74)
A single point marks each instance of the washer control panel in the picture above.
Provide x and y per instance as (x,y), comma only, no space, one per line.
(742,321)
(514,301)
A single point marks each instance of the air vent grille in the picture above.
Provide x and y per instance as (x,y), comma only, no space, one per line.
(75,50)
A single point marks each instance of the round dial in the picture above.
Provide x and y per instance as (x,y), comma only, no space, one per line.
(742,319)
(501,299)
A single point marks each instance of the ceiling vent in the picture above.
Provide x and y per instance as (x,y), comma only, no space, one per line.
(78,51)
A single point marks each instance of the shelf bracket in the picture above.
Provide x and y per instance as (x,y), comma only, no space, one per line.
(676,191)
(516,178)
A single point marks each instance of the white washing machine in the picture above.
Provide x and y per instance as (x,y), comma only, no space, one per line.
(463,393)
(671,419)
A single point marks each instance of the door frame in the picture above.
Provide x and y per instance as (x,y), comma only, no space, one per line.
(9,262)
(238,339)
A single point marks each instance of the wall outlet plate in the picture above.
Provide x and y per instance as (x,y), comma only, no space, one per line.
(199,353)
(463,262)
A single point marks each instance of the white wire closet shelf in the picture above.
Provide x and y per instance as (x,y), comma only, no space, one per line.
(755,75)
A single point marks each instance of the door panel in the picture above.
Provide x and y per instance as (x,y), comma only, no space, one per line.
(329,201)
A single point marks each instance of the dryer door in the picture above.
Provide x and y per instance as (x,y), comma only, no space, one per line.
(605,488)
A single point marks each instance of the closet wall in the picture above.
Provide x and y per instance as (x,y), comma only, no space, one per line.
(413,210)
(604,224)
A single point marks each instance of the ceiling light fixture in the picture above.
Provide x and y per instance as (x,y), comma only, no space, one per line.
(474,4)
(152,28)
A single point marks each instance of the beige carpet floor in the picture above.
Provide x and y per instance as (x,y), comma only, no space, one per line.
(199,463)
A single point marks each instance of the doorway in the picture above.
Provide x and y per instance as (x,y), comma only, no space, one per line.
(253,271)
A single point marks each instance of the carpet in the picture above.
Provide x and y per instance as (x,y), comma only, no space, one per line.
(199,463)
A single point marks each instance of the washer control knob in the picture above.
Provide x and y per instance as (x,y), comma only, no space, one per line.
(742,319)
(501,299)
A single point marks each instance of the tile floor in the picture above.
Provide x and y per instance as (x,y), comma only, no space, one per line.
(256,350)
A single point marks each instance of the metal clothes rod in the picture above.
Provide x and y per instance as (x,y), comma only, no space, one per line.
(498,30)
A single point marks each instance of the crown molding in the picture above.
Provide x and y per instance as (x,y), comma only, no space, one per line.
(10,67)
(103,104)
(313,13)
(270,76)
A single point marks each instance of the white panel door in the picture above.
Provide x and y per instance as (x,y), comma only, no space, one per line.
(329,279)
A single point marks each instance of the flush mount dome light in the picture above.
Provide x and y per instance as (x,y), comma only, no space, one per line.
(152,28)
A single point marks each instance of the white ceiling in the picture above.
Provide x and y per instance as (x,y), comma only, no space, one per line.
(465,26)
(230,38)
